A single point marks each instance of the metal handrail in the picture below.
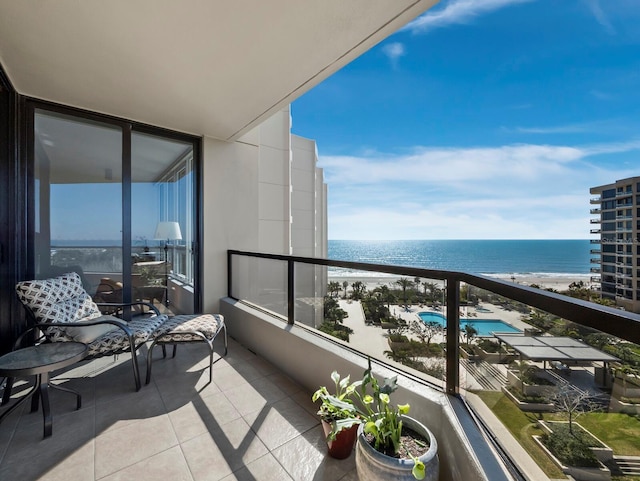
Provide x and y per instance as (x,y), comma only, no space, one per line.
(616,322)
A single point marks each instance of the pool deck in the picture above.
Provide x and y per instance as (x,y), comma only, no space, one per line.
(372,339)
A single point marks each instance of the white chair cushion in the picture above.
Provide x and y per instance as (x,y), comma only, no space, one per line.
(88,334)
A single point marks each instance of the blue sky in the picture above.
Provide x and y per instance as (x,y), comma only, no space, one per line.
(485,119)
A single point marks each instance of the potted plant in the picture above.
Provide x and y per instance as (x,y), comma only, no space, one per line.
(390,444)
(336,408)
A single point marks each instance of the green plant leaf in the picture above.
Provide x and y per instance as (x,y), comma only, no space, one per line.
(419,470)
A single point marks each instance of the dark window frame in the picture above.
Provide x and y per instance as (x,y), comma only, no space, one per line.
(29,107)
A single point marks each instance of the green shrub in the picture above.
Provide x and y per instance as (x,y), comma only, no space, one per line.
(531,376)
(519,395)
(488,346)
(570,448)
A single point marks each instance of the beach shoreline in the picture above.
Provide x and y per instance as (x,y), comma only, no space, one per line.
(558,282)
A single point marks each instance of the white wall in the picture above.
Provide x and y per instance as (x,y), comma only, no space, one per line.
(303,174)
(246,201)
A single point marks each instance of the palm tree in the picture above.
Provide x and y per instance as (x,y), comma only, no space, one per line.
(358,289)
(431,287)
(345,284)
(404,283)
(384,292)
(334,288)
(469,333)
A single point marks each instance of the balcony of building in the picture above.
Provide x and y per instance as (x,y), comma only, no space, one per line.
(595,221)
(623,193)
(596,210)
(595,200)
(256,421)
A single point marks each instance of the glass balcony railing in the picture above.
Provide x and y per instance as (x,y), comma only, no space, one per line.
(542,363)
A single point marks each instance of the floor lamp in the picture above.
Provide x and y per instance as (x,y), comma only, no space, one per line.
(167,232)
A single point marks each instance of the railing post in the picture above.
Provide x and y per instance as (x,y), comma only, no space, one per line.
(453,335)
(229,272)
(291,297)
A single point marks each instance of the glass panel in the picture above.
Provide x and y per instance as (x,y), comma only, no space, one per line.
(310,292)
(78,200)
(162,219)
(398,320)
(541,375)
(262,282)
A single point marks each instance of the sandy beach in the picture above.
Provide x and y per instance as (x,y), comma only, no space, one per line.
(559,282)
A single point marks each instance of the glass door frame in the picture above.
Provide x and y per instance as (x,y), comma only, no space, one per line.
(127,128)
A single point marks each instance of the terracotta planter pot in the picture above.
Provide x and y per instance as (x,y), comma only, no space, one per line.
(342,445)
(372,465)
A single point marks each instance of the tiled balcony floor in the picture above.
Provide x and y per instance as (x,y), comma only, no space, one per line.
(251,423)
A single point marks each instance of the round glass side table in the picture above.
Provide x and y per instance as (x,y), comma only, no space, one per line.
(40,361)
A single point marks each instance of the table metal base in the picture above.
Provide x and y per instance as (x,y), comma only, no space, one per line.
(39,394)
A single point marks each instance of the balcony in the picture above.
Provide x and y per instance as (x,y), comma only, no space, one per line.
(595,211)
(595,221)
(595,231)
(595,280)
(251,420)
(595,200)
(256,416)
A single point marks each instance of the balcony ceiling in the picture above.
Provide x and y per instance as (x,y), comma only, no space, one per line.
(213,68)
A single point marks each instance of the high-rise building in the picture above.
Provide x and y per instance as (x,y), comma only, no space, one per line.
(618,209)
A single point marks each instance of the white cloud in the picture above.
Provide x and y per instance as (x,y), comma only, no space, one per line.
(451,165)
(600,16)
(609,126)
(514,191)
(458,12)
(561,129)
(599,94)
(394,51)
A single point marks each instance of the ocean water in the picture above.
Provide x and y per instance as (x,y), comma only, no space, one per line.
(524,257)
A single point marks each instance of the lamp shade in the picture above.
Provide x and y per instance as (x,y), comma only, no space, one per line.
(168,231)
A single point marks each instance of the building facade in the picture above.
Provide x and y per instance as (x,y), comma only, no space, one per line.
(617,225)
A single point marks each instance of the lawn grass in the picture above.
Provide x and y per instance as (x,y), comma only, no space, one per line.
(523,426)
(621,432)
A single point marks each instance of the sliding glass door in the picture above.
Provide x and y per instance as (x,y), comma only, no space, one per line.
(117,205)
(162,221)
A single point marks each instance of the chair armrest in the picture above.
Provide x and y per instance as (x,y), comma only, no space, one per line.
(120,305)
(44,325)
(122,325)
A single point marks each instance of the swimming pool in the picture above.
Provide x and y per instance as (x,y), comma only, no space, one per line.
(485,327)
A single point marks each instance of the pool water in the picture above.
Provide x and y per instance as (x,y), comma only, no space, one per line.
(485,327)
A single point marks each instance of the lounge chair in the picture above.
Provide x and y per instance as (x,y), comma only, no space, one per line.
(63,311)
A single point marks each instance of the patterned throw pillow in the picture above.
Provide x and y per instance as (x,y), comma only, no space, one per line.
(60,299)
